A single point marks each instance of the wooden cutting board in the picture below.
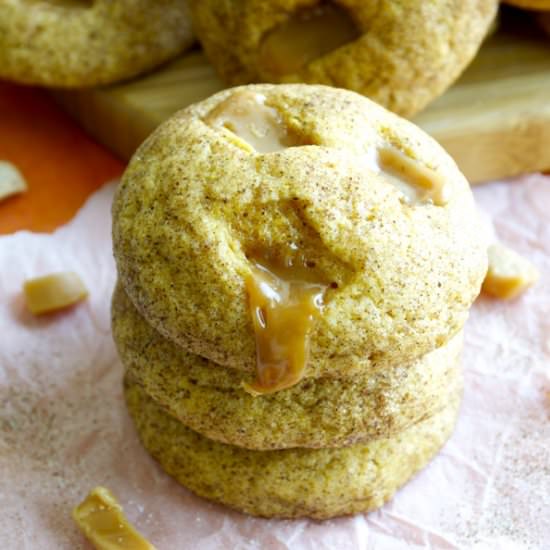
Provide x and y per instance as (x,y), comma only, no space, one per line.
(495,121)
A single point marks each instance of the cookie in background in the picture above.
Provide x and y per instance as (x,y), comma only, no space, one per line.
(82,43)
(400,54)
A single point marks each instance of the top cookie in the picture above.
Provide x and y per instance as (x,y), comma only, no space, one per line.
(372,208)
(78,43)
(400,54)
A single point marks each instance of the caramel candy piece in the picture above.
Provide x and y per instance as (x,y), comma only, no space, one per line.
(101,518)
(255,126)
(11,180)
(283,305)
(417,182)
(54,292)
(509,274)
(308,35)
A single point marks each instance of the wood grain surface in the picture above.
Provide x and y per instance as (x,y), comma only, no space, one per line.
(495,120)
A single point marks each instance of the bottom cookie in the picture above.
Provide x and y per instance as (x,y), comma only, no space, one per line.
(290,483)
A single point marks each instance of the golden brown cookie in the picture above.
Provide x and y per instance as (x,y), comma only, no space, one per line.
(370,206)
(316,483)
(400,54)
(78,43)
(324,412)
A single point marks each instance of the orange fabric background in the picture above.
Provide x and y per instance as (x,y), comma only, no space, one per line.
(60,163)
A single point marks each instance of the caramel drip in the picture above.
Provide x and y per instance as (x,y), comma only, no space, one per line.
(255,125)
(306,36)
(284,304)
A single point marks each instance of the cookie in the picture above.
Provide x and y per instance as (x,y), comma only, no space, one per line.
(362,205)
(400,54)
(290,483)
(323,412)
(79,43)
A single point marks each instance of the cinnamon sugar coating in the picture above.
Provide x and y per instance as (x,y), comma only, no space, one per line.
(194,203)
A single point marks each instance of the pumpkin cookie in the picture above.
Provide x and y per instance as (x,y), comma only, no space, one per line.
(78,43)
(290,483)
(324,412)
(259,186)
(400,54)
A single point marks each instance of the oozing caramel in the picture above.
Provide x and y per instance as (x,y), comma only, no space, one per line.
(306,36)
(417,182)
(257,126)
(284,301)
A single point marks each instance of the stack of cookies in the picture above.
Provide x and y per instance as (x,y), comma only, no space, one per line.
(296,265)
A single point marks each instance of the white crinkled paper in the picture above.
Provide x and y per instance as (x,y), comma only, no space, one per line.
(64,428)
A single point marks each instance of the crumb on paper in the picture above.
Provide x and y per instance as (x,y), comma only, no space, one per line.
(509,274)
(11,180)
(54,292)
(101,518)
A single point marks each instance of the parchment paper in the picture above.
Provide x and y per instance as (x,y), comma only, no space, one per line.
(64,428)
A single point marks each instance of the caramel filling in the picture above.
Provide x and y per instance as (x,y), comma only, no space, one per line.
(284,302)
(101,519)
(308,35)
(255,125)
(418,183)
